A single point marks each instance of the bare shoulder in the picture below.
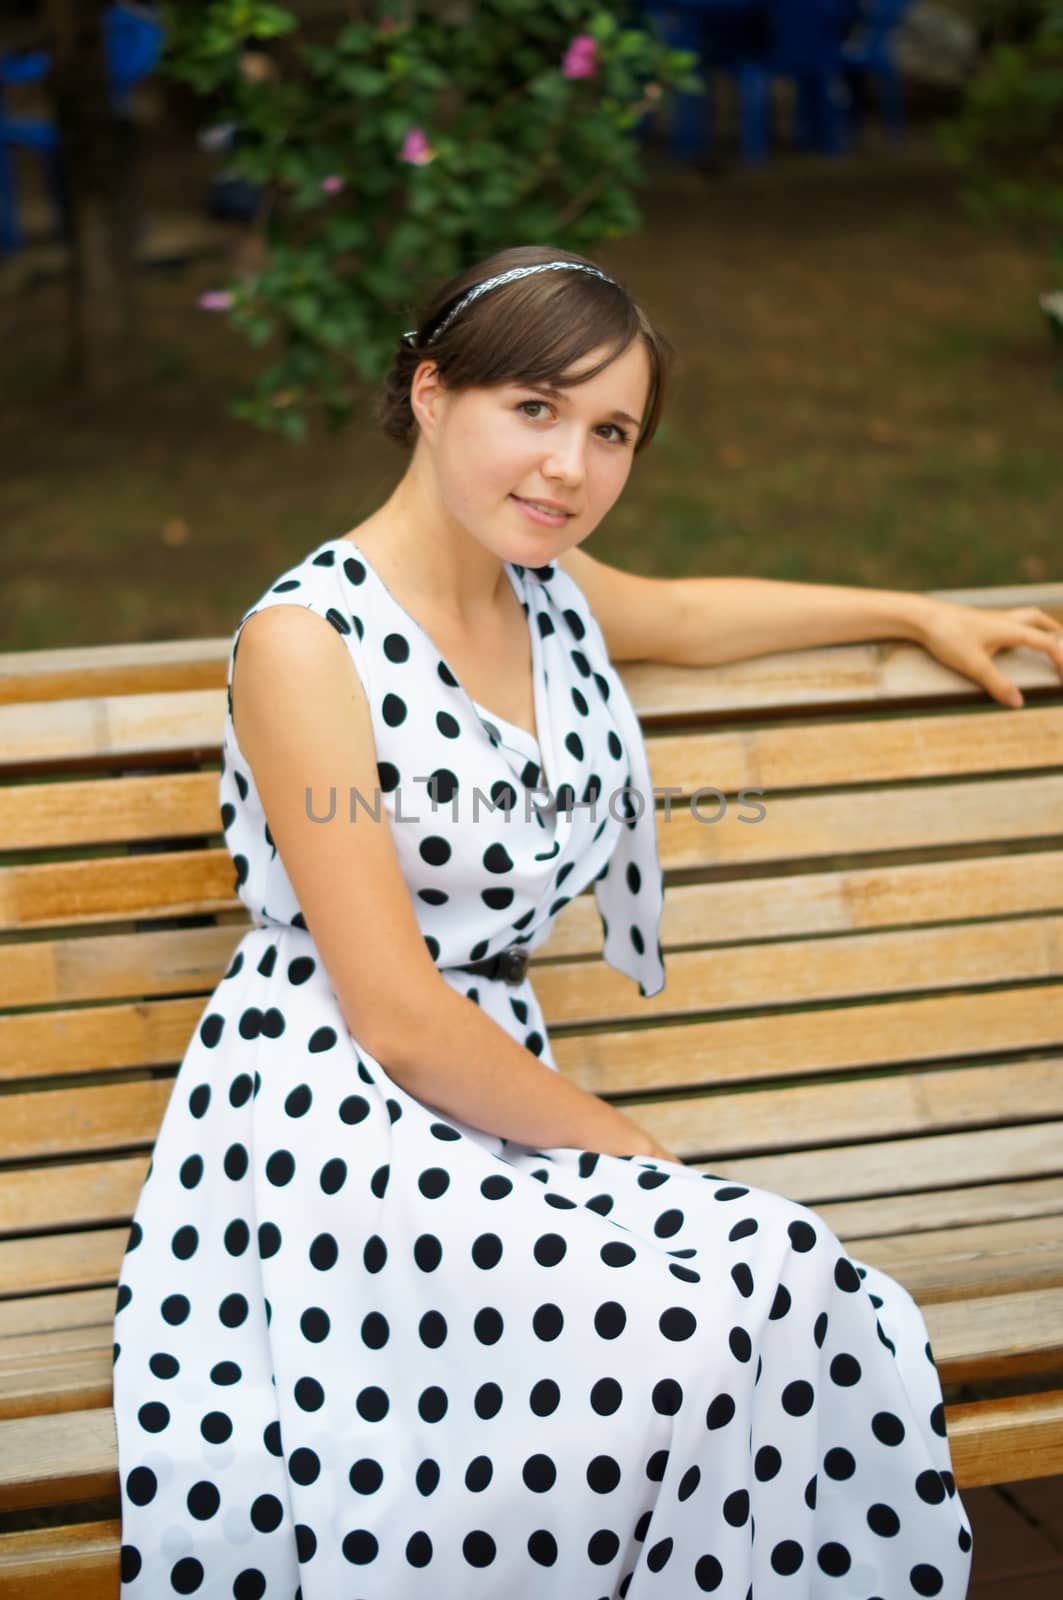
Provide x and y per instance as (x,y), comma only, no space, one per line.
(290,653)
(636,614)
(304,727)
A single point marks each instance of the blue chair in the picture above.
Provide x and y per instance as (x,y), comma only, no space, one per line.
(133,39)
(806,46)
(869,54)
(717,31)
(34,134)
(756,41)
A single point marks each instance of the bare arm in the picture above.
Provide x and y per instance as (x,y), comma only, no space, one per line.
(347,877)
(707,621)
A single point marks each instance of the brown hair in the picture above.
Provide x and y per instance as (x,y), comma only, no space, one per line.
(529,330)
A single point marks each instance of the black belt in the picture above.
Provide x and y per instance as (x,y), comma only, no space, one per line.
(510,964)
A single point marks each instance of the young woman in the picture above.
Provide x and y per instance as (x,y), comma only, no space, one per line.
(404,1312)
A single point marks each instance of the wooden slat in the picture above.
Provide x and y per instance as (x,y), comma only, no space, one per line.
(140,667)
(738,978)
(69,1043)
(107,810)
(48,1313)
(61,1261)
(887,674)
(84,1039)
(47,1461)
(108,727)
(63,733)
(77,1194)
(87,1039)
(995,1336)
(79,1382)
(110,966)
(189,664)
(1005,1441)
(115,889)
(769,1046)
(1046,596)
(76,1121)
(126,810)
(27,1352)
(845,901)
(899,1165)
(858,753)
(807,828)
(75,968)
(55,1563)
(965,1263)
(981,1202)
(947,815)
(66,1122)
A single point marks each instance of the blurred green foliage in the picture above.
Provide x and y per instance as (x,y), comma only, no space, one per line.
(1010,131)
(399,152)
(1009,137)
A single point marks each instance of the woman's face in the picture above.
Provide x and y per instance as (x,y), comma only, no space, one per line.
(488,445)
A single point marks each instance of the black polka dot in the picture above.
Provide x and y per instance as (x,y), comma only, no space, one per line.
(787,1556)
(838,1463)
(736,1508)
(266,1513)
(845,1275)
(883,1520)
(186,1575)
(887,1427)
(720,1411)
(797,1397)
(834,1559)
(708,1573)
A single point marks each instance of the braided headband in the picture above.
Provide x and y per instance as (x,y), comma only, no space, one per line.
(505,277)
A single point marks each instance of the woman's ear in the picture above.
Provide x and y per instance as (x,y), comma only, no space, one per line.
(427,394)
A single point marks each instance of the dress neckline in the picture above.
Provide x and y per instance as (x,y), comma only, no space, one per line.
(525,738)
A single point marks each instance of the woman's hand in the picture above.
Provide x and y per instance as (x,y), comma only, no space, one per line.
(967,638)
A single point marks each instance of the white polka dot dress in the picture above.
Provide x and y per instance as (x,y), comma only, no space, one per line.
(364,1351)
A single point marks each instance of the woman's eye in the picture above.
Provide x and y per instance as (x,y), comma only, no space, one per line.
(620,433)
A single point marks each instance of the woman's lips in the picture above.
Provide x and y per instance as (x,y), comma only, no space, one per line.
(547,519)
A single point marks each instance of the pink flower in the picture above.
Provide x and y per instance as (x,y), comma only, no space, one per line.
(386,24)
(215,300)
(415,148)
(332,184)
(580,60)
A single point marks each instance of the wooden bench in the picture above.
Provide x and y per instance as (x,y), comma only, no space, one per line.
(864,1010)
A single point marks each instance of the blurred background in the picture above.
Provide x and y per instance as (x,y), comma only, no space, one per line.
(215,219)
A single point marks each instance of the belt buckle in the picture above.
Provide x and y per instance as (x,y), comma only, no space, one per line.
(512,964)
